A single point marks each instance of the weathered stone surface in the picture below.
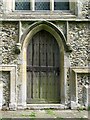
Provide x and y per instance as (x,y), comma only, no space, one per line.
(68,86)
(79,40)
(5,77)
(1,93)
(8,36)
(61,26)
(85,8)
(1,6)
(82,79)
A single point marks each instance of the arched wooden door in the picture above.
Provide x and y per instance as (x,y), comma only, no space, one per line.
(43,69)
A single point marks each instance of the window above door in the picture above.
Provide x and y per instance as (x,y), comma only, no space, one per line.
(61,4)
(41,5)
(22,5)
(43,8)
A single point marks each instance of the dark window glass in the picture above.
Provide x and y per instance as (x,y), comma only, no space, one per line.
(42,5)
(61,5)
(22,5)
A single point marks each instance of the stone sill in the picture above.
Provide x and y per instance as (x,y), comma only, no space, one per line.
(62,20)
(81,69)
(40,15)
(48,15)
(27,12)
(42,19)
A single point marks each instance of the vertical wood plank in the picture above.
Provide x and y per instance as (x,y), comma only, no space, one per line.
(29,54)
(43,51)
(29,85)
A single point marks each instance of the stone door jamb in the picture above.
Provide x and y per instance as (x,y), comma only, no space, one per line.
(13,78)
(74,84)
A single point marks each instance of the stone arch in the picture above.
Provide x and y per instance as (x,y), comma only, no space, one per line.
(48,26)
(61,40)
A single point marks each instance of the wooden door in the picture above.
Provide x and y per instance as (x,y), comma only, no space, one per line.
(43,73)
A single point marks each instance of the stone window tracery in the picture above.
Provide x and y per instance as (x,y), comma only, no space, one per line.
(41,5)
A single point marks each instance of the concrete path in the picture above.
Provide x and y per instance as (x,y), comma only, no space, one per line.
(53,114)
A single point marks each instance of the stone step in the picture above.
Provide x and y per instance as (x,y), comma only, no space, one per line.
(47,106)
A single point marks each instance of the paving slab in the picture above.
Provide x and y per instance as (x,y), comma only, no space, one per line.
(42,114)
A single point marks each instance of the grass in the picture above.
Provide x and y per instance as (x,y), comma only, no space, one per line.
(50,112)
(33,115)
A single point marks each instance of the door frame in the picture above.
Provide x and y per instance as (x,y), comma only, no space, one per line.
(61,40)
